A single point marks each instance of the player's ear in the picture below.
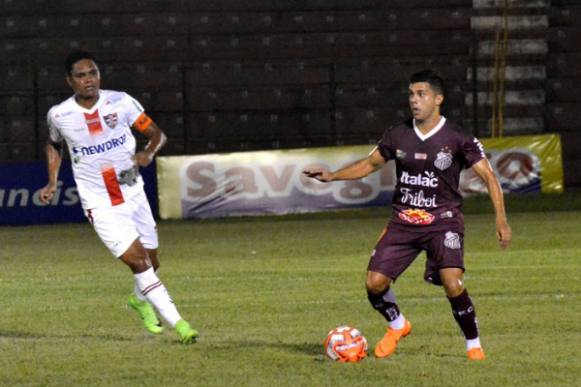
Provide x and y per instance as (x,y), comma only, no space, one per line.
(439,99)
(69,81)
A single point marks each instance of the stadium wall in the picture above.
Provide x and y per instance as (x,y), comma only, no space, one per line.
(20,183)
(230,75)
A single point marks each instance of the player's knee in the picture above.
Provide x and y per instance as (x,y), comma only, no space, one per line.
(377,284)
(137,261)
(453,287)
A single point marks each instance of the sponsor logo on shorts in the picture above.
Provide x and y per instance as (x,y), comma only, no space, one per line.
(443,160)
(416,216)
(452,240)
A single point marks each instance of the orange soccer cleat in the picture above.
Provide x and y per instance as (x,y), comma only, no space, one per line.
(388,343)
(476,354)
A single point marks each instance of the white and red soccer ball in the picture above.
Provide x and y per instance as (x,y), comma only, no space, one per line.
(346,344)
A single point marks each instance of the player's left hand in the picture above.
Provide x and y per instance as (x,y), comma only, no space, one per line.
(143,158)
(504,234)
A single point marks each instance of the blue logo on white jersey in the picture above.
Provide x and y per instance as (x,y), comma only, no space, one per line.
(100,148)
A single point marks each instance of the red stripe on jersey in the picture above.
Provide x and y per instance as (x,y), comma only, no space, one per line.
(93,122)
(112,185)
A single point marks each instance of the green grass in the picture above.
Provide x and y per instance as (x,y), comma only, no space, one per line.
(263,292)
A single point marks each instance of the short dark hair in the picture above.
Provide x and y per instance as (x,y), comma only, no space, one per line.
(75,56)
(436,82)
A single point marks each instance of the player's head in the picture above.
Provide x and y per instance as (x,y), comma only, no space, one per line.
(426,94)
(83,74)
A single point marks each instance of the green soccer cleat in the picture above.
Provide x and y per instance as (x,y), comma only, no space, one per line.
(147,314)
(186,333)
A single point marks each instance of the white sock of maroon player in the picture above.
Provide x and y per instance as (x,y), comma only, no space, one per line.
(155,292)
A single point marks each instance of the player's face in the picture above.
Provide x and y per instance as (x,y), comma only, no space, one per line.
(85,79)
(424,101)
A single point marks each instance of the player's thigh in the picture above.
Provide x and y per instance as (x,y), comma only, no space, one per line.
(445,250)
(114,227)
(394,252)
(144,222)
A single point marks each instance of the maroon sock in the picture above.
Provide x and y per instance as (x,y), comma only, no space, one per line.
(388,309)
(464,314)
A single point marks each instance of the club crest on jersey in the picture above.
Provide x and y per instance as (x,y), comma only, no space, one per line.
(443,160)
(452,240)
(111,120)
(399,154)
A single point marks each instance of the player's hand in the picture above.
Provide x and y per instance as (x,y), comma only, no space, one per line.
(47,193)
(143,158)
(504,234)
(320,174)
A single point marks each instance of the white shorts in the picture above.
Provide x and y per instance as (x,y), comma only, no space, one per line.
(120,225)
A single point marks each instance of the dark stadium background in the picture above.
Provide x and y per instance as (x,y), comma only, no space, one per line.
(232,75)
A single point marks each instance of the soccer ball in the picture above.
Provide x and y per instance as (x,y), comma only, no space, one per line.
(346,344)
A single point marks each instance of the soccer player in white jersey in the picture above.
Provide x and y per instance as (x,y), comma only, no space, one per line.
(96,126)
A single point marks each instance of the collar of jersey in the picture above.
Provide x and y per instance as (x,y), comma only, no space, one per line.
(436,129)
(95,106)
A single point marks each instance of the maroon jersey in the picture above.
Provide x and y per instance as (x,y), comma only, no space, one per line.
(428,167)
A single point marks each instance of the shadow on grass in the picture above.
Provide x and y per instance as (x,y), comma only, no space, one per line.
(39,336)
(309,349)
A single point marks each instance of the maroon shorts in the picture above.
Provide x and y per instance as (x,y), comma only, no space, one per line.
(397,249)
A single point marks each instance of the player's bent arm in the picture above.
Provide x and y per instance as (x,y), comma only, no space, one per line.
(54,159)
(485,172)
(356,170)
(157,140)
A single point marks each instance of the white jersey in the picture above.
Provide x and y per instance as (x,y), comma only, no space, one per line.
(101,146)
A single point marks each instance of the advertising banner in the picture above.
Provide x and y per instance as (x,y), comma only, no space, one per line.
(523,164)
(20,184)
(271,182)
(264,182)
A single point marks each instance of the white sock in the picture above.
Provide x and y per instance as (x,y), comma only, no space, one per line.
(150,286)
(473,343)
(398,323)
(138,293)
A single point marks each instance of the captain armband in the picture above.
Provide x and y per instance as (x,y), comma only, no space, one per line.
(142,122)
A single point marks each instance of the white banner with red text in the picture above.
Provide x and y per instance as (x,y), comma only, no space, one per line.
(271,182)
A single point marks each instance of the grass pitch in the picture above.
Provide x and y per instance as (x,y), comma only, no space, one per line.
(263,292)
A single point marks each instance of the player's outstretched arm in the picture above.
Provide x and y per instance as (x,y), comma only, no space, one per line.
(53,159)
(356,170)
(157,140)
(503,231)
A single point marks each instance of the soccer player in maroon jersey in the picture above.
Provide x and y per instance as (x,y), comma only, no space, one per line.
(429,152)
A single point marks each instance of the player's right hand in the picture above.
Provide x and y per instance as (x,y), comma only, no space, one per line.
(46,193)
(320,174)
(504,234)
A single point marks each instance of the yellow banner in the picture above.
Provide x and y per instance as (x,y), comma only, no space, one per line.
(522,163)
